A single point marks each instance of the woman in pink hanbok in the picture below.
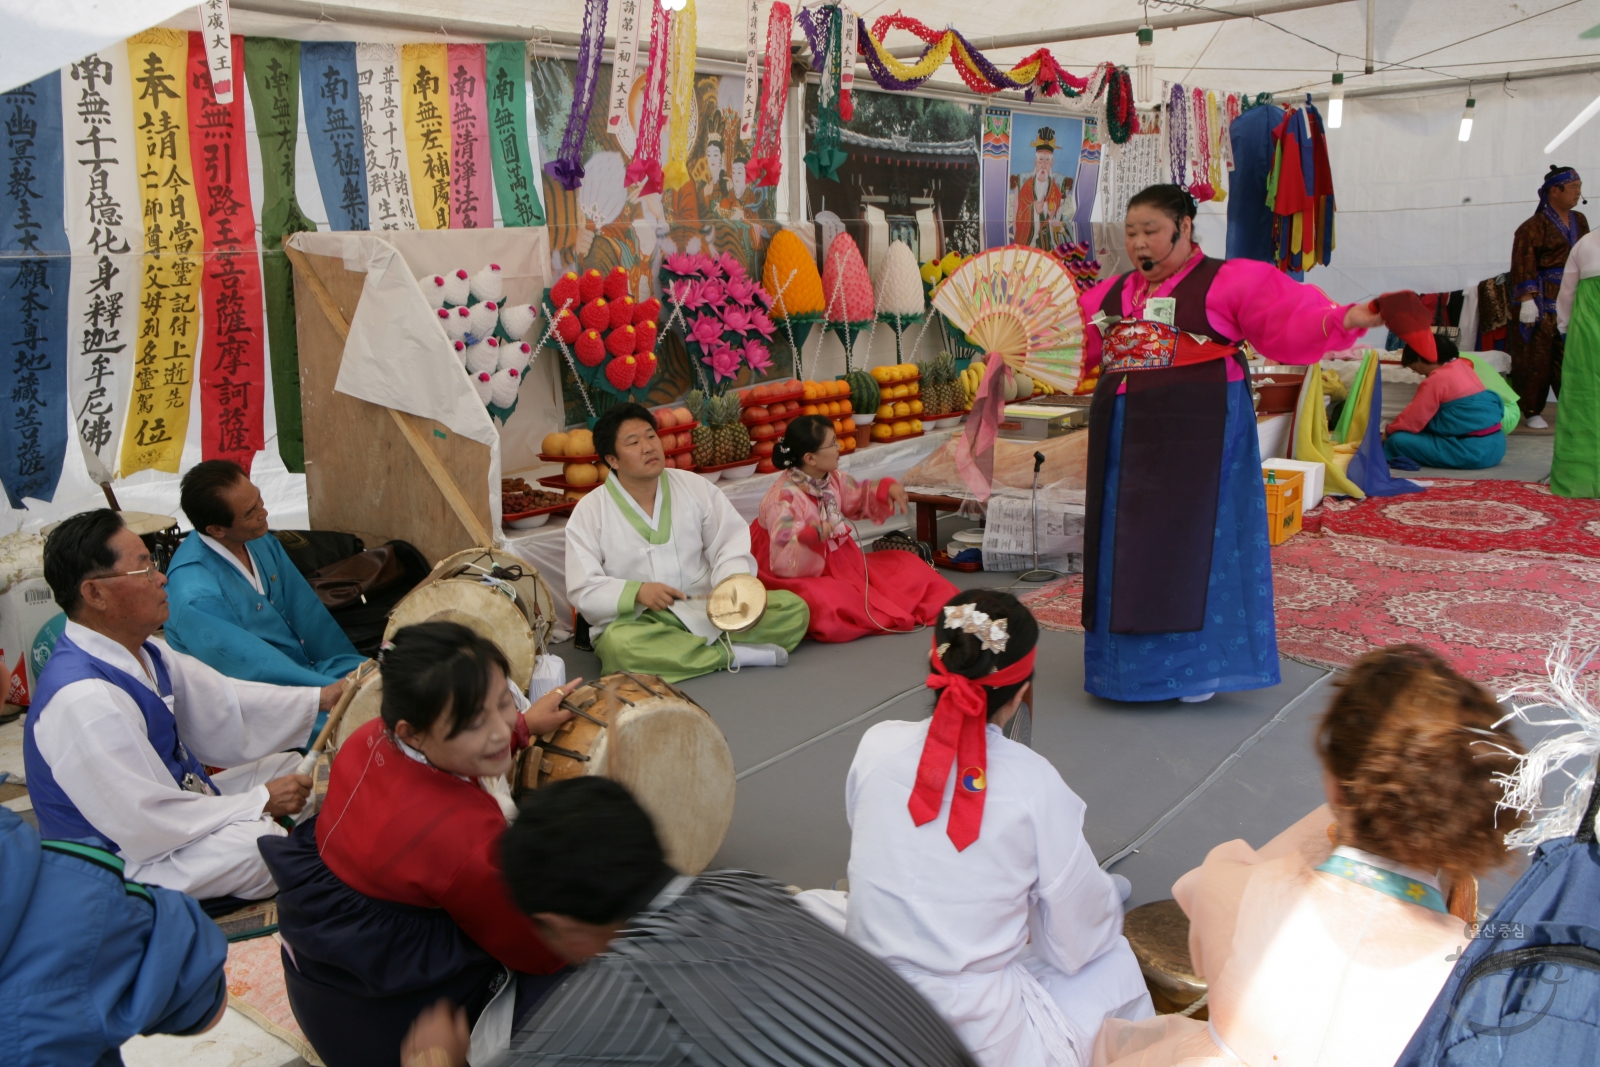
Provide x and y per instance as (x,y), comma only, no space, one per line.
(1329,944)
(802,543)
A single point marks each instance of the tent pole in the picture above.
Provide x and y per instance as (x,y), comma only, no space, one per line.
(1371,4)
(1461,83)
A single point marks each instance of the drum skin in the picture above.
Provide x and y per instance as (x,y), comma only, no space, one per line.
(660,744)
(737,603)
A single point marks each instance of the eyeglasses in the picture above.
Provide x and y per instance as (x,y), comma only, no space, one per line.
(149,574)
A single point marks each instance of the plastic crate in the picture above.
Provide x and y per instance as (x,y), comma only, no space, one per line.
(1284,499)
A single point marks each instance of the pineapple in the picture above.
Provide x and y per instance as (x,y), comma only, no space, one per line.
(941,395)
(720,438)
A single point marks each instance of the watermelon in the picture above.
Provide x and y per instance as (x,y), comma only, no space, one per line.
(864,393)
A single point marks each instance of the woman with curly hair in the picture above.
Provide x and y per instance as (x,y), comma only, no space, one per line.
(1329,944)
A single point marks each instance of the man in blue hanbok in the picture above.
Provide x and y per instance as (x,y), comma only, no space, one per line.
(238,604)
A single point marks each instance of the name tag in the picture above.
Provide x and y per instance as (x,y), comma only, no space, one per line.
(1162,309)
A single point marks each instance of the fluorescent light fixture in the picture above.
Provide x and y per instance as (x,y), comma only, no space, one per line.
(1466,121)
(1144,68)
(1572,127)
(1336,102)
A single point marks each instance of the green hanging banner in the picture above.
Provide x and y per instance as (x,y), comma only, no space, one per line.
(514,168)
(272,71)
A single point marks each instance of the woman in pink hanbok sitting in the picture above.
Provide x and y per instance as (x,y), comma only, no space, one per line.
(802,543)
(1329,944)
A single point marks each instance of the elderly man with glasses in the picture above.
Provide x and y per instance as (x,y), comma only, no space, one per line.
(122,728)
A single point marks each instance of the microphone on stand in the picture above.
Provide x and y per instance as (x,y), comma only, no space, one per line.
(1038,574)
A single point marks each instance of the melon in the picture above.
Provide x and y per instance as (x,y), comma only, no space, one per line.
(580,443)
(555,444)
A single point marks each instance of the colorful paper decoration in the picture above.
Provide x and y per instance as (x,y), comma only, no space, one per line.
(645,166)
(333,128)
(722,313)
(471,177)
(766,162)
(233,347)
(508,135)
(33,293)
(1037,72)
(423,105)
(102,197)
(823,28)
(680,94)
(567,167)
(389,202)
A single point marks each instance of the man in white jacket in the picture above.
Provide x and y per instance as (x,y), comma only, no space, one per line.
(122,728)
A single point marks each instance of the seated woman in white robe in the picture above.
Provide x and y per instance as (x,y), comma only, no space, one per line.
(1329,944)
(645,548)
(998,914)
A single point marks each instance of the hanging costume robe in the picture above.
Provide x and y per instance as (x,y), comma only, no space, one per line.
(392,897)
(1538,253)
(281,635)
(1177,574)
(1303,967)
(725,968)
(1575,465)
(1453,422)
(1015,940)
(693,540)
(89,959)
(849,593)
(109,741)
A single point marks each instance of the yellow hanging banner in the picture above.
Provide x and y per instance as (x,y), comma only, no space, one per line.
(169,310)
(425,108)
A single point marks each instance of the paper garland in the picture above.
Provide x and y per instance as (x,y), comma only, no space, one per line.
(169,319)
(423,105)
(680,96)
(221,60)
(567,167)
(232,350)
(645,166)
(506,74)
(823,30)
(33,293)
(389,203)
(333,128)
(1038,71)
(471,176)
(272,71)
(102,194)
(766,163)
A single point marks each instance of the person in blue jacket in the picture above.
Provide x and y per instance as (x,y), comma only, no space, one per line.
(238,604)
(89,960)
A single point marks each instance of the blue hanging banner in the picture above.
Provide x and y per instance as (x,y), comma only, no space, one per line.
(35,272)
(329,90)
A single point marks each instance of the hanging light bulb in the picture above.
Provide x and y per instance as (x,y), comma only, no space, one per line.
(1144,69)
(1336,102)
(1466,121)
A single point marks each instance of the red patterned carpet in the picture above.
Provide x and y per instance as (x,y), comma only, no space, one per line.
(1518,518)
(1493,615)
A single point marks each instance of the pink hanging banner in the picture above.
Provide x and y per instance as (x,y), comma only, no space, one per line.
(232,355)
(471,176)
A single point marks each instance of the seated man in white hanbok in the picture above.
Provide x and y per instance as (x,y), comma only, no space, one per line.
(998,915)
(122,729)
(645,548)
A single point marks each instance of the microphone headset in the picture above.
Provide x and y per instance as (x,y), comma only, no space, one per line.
(1148,264)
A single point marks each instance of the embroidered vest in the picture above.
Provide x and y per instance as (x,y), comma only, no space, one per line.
(1141,344)
(59,817)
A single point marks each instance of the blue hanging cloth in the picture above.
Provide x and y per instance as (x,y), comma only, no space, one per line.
(1369,467)
(333,127)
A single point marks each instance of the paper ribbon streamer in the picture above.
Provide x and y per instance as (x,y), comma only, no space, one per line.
(423,105)
(625,58)
(823,30)
(752,73)
(169,318)
(1037,72)
(680,96)
(220,57)
(272,71)
(389,203)
(333,128)
(1122,116)
(766,162)
(567,167)
(102,192)
(232,348)
(506,72)
(33,293)
(646,163)
(471,176)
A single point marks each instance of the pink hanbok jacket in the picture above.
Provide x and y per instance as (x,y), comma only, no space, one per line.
(792,516)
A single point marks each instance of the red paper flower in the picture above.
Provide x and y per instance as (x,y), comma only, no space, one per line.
(591,286)
(616,284)
(644,338)
(596,314)
(646,371)
(622,342)
(568,327)
(621,311)
(589,348)
(620,372)
(647,310)
(565,290)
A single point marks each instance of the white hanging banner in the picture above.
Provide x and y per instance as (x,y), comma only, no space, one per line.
(847,51)
(752,75)
(623,63)
(389,202)
(219,50)
(107,240)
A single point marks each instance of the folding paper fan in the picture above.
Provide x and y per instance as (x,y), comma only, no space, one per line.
(1016,302)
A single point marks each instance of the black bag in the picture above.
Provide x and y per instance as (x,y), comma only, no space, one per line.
(311,550)
(363,621)
(899,541)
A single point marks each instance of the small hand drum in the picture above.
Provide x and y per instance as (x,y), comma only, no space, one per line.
(737,603)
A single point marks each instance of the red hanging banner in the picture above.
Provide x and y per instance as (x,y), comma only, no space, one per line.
(232,347)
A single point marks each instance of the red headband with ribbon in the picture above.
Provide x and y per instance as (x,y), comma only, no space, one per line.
(956,735)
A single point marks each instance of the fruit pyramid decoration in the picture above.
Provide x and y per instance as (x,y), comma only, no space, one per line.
(612,337)
(802,299)
(941,393)
(720,437)
(846,285)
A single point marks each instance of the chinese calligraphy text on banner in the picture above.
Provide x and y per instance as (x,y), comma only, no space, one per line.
(333,129)
(471,184)
(232,354)
(514,166)
(425,108)
(33,287)
(169,310)
(389,205)
(102,193)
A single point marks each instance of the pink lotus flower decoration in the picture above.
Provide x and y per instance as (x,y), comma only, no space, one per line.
(736,318)
(706,331)
(712,291)
(730,266)
(679,263)
(761,322)
(741,290)
(731,322)
(724,361)
(756,354)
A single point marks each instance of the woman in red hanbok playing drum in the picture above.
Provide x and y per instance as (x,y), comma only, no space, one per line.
(802,543)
